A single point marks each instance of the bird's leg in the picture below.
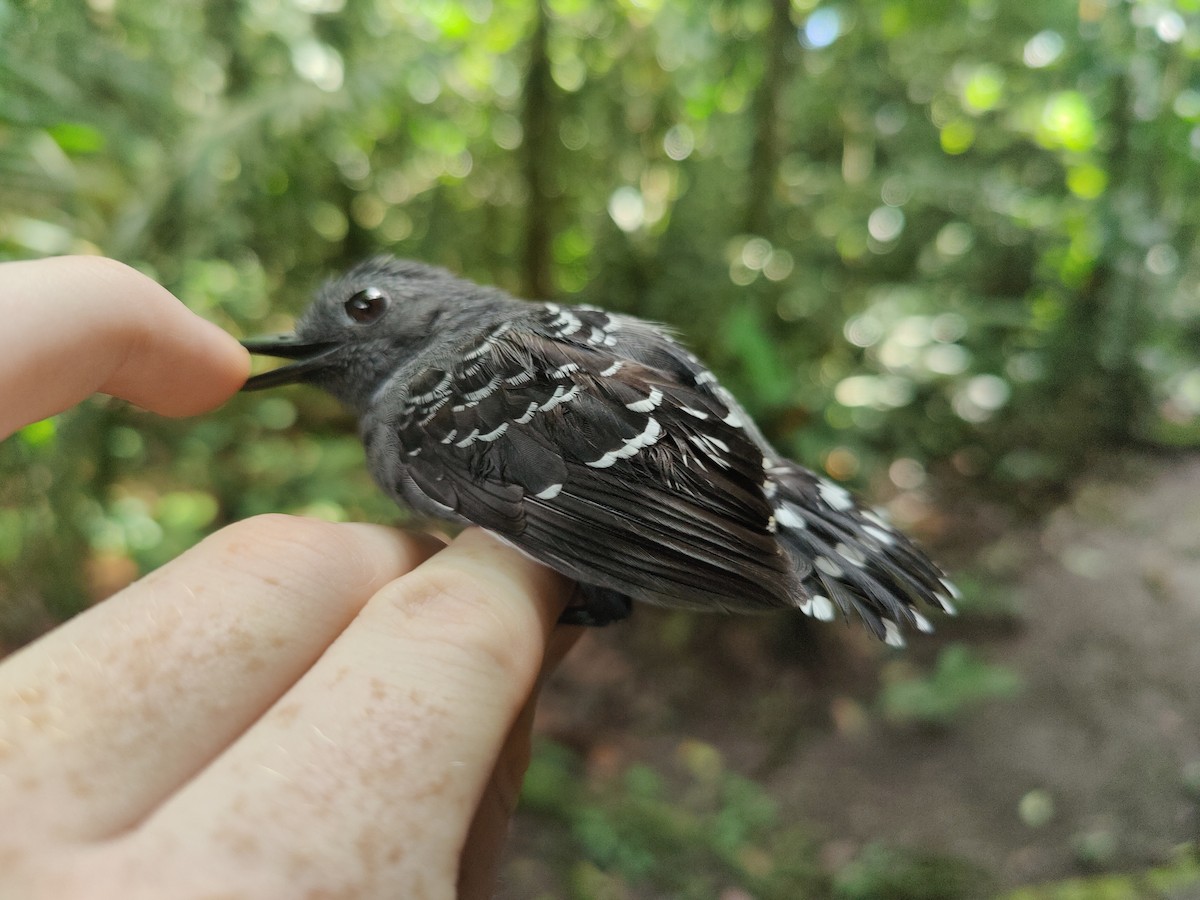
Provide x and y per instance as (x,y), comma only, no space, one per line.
(599,606)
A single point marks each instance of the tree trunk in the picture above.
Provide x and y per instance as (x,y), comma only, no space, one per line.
(537,163)
(764,154)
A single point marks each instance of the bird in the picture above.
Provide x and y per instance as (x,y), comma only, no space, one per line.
(597,444)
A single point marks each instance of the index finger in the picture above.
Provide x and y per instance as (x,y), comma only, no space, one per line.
(75,325)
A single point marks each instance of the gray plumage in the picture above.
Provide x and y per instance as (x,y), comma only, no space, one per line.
(597,444)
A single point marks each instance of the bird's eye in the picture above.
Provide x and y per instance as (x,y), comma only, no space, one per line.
(366,306)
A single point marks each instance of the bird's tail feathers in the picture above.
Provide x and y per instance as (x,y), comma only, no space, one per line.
(847,557)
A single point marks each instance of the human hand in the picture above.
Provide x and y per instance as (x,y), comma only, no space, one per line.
(76,325)
(292,708)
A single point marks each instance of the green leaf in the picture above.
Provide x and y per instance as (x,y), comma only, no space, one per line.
(78,138)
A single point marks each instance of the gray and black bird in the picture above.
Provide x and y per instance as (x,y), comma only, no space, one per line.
(596,444)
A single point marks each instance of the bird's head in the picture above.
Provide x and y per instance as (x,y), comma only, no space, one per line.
(363,325)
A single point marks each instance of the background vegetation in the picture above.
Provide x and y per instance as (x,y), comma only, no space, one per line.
(911,235)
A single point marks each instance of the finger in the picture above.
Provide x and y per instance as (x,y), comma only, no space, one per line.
(371,768)
(490,827)
(480,860)
(561,641)
(80,324)
(108,714)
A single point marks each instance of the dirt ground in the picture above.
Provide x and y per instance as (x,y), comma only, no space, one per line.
(1098,758)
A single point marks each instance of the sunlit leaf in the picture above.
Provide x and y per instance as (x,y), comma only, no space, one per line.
(984,89)
(39,434)
(1087,181)
(1067,122)
(76,137)
(957,136)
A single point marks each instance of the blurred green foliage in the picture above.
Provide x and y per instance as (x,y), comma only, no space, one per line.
(883,873)
(686,840)
(696,829)
(702,831)
(1179,877)
(958,682)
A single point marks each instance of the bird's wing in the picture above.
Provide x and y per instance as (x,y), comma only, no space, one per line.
(845,556)
(610,469)
(654,345)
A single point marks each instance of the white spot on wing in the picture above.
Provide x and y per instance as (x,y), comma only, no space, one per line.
(488,343)
(922,623)
(891,634)
(829,567)
(435,393)
(492,435)
(554,398)
(549,493)
(469,439)
(851,554)
(884,537)
(835,495)
(479,393)
(698,413)
(613,369)
(433,410)
(649,436)
(448,438)
(789,518)
(649,404)
(720,443)
(712,446)
(559,396)
(528,414)
(822,608)
(522,377)
(876,516)
(566,323)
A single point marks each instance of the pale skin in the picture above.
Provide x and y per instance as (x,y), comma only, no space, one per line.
(292,708)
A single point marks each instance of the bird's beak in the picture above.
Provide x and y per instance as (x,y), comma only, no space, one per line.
(310,356)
